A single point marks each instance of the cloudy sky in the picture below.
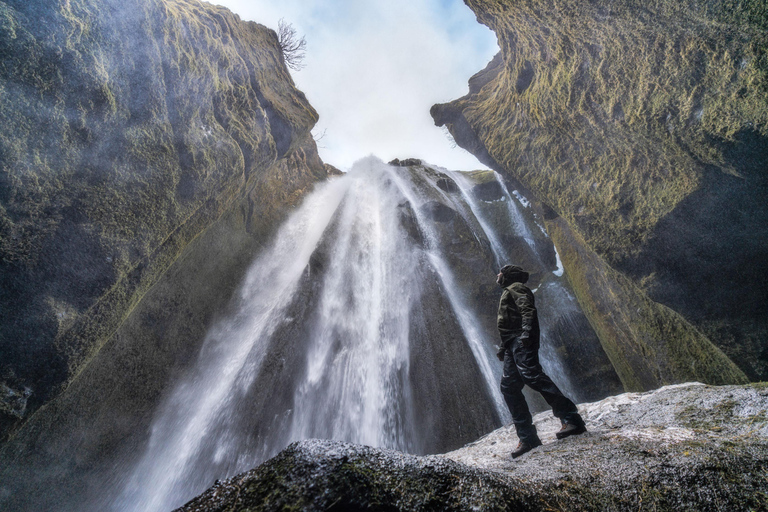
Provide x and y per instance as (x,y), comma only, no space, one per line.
(373,69)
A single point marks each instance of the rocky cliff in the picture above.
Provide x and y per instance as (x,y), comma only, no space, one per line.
(147,148)
(642,130)
(686,447)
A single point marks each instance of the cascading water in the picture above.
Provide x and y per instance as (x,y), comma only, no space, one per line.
(559,302)
(359,323)
(194,419)
(482,350)
(355,386)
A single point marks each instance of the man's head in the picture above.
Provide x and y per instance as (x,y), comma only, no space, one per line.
(511,274)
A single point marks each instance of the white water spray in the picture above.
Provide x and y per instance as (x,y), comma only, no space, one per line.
(230,359)
(358,356)
(319,342)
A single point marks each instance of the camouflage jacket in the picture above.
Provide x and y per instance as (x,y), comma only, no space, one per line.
(517,314)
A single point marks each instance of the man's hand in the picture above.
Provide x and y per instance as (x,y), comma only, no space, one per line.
(500,353)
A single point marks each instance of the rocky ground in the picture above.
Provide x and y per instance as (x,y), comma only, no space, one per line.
(682,447)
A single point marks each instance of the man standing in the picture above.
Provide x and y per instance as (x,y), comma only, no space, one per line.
(518,324)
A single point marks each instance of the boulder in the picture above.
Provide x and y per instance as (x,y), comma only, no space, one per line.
(683,447)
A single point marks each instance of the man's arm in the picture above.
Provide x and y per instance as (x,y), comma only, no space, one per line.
(526,306)
(506,330)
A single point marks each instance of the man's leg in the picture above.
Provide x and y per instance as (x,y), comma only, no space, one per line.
(512,389)
(531,373)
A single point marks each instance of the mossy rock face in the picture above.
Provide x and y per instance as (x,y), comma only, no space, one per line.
(645,126)
(647,342)
(98,425)
(127,129)
(689,447)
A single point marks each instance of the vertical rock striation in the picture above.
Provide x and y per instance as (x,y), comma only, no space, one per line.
(643,131)
(128,130)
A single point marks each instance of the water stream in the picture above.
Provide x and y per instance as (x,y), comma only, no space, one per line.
(558,301)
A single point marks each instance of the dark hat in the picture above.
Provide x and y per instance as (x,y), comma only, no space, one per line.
(512,274)
(512,269)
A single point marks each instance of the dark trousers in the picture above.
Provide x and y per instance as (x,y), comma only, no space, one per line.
(521,366)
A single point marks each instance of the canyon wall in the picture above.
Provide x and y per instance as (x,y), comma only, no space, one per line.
(136,136)
(642,130)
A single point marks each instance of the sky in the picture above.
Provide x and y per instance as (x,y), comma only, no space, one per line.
(373,69)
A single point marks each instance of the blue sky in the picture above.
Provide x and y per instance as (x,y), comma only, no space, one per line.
(373,69)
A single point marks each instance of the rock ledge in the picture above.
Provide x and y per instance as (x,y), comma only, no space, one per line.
(682,447)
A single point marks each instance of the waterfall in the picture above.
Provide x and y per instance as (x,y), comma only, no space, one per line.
(559,302)
(483,351)
(188,423)
(333,334)
(357,357)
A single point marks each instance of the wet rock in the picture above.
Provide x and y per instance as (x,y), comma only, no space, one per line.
(437,211)
(684,447)
(408,162)
(410,224)
(488,191)
(447,184)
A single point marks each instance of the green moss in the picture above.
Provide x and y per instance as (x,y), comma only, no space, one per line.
(125,132)
(625,96)
(693,417)
(648,344)
(481,177)
(642,125)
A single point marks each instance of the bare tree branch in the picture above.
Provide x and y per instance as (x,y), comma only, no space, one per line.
(293,48)
(319,138)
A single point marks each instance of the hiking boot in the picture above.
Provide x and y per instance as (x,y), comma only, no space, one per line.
(569,429)
(524,448)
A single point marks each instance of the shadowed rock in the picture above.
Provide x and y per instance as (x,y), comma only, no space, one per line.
(489,191)
(438,212)
(408,162)
(447,184)
(119,150)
